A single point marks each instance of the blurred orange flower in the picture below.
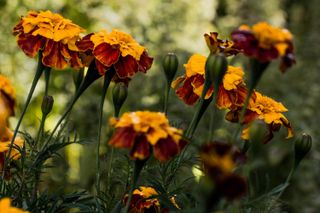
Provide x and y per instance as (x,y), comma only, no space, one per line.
(265,43)
(266,109)
(7,98)
(54,35)
(142,130)
(116,49)
(5,207)
(232,91)
(217,45)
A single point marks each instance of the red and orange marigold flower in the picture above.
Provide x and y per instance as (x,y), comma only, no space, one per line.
(117,49)
(232,91)
(52,34)
(219,161)
(266,109)
(217,45)
(265,43)
(5,207)
(144,132)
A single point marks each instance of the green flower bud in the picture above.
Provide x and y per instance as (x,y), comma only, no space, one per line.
(170,66)
(47,104)
(216,67)
(301,148)
(119,95)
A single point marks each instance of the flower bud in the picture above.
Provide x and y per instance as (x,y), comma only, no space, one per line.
(47,104)
(301,148)
(170,66)
(119,95)
(216,67)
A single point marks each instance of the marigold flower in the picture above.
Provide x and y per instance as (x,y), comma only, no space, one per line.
(5,207)
(265,43)
(7,98)
(220,160)
(266,109)
(142,130)
(232,91)
(217,45)
(116,49)
(54,35)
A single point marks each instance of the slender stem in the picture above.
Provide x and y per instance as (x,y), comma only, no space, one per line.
(37,76)
(107,79)
(166,98)
(47,72)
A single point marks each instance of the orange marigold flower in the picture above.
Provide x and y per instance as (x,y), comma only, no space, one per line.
(5,207)
(54,35)
(141,201)
(116,49)
(265,43)
(217,45)
(219,161)
(142,130)
(232,91)
(266,109)
(7,98)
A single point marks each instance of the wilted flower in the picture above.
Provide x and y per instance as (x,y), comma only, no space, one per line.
(217,45)
(54,35)
(262,108)
(220,160)
(142,130)
(116,49)
(232,91)
(5,207)
(142,202)
(265,43)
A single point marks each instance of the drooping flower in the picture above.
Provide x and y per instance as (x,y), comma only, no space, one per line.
(232,91)
(5,207)
(52,34)
(266,109)
(219,161)
(142,202)
(117,49)
(265,43)
(144,132)
(217,45)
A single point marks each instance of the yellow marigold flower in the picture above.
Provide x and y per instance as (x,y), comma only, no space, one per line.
(217,45)
(116,49)
(5,207)
(142,130)
(265,43)
(266,109)
(51,33)
(7,98)
(232,91)
(219,161)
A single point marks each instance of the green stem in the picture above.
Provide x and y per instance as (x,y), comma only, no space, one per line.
(166,98)
(137,169)
(47,73)
(37,76)
(107,79)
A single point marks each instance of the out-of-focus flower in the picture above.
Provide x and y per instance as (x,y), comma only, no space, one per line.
(52,34)
(116,49)
(232,91)
(5,207)
(262,108)
(220,160)
(217,45)
(7,98)
(142,202)
(5,141)
(142,130)
(265,43)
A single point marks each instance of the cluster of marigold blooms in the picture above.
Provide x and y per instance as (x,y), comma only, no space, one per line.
(60,44)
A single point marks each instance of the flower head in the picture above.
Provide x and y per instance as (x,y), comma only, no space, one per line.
(7,98)
(220,160)
(265,43)
(5,206)
(266,109)
(54,35)
(142,130)
(217,45)
(232,91)
(116,49)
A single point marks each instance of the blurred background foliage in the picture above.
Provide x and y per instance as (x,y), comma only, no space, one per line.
(175,26)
